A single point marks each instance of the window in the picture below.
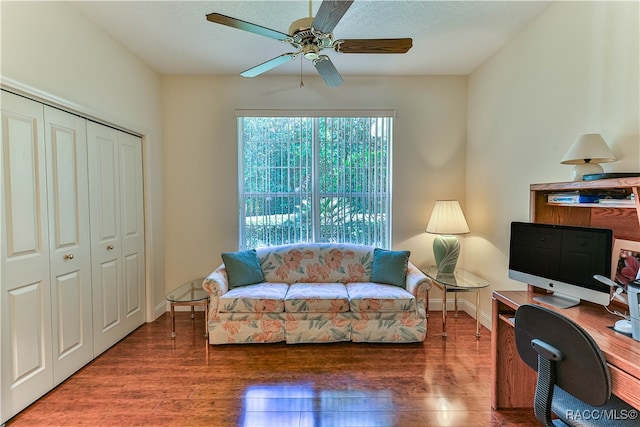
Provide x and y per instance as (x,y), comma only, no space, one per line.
(317,178)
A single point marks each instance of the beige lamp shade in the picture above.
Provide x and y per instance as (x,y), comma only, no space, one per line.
(586,152)
(447,218)
(588,148)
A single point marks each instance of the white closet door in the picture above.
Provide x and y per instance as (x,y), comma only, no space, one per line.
(106,235)
(69,243)
(117,233)
(26,354)
(131,196)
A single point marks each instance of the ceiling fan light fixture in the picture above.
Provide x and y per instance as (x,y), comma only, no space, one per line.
(311,51)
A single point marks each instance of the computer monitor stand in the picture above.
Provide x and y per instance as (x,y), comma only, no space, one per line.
(558,300)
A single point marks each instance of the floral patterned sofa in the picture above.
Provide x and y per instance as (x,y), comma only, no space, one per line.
(318,292)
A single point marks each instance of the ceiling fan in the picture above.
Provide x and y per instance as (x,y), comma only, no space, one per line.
(310,36)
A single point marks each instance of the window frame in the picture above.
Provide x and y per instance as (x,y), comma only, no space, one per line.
(316,194)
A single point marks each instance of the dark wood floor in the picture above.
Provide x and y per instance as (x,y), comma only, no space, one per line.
(149,379)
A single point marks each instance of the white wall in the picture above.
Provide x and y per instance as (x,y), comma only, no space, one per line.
(53,50)
(574,70)
(201,197)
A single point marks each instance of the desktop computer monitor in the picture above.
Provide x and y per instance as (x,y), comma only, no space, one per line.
(562,259)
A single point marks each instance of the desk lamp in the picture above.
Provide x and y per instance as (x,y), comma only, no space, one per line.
(586,152)
(446,221)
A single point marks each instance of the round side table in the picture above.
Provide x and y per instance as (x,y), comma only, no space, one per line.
(189,294)
(458,281)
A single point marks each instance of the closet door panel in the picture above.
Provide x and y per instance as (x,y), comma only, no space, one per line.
(25,315)
(25,219)
(70,245)
(132,230)
(29,317)
(106,191)
(69,315)
(133,298)
(24,190)
(109,273)
(106,248)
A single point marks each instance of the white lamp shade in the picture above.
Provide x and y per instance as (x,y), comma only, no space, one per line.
(447,218)
(588,148)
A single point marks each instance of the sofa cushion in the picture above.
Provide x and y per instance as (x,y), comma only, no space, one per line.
(317,298)
(316,263)
(376,297)
(390,267)
(258,298)
(243,268)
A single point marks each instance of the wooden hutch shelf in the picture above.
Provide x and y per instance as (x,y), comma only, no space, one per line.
(624,220)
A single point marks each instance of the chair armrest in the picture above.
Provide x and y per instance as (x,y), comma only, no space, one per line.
(417,282)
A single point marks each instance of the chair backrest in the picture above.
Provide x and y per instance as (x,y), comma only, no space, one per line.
(583,370)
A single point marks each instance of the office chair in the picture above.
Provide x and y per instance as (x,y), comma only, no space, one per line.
(573,377)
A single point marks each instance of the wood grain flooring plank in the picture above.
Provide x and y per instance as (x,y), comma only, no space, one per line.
(148,379)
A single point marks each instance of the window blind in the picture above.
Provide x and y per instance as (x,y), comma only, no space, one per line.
(314,179)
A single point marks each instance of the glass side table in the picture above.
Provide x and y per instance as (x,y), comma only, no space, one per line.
(189,294)
(458,281)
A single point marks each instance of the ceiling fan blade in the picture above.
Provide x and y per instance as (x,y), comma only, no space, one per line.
(246,26)
(329,14)
(328,71)
(270,64)
(373,45)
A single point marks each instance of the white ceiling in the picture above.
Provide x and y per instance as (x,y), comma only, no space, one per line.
(449,37)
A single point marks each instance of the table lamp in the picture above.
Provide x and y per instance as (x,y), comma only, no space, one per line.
(586,152)
(446,221)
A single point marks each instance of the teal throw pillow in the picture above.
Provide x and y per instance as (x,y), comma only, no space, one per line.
(390,267)
(243,268)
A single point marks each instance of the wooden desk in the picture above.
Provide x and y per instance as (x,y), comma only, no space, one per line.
(514,381)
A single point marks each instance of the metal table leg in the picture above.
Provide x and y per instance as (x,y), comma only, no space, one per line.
(455,302)
(206,318)
(477,316)
(173,320)
(444,312)
(427,307)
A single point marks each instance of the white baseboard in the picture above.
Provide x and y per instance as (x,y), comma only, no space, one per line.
(160,309)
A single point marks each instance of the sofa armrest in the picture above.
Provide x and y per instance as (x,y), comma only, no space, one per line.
(417,282)
(217,284)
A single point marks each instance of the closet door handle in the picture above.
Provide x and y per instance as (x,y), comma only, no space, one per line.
(110,247)
(68,256)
